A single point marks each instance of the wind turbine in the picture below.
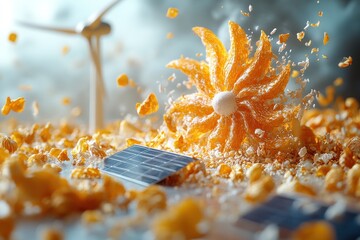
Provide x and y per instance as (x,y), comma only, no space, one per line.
(92,30)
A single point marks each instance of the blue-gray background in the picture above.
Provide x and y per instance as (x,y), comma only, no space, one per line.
(139,48)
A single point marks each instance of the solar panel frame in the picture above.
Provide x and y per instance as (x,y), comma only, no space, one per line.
(143,165)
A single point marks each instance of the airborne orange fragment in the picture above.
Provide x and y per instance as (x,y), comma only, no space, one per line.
(149,106)
(16,105)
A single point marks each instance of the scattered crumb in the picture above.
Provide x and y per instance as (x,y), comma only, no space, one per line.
(149,106)
(66,101)
(245,14)
(284,37)
(300,35)
(326,38)
(122,80)
(338,82)
(172,13)
(12,37)
(169,35)
(346,62)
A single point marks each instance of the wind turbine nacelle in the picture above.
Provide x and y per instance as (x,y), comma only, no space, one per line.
(88,31)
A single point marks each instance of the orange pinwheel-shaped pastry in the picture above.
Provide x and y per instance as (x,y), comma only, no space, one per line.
(236,92)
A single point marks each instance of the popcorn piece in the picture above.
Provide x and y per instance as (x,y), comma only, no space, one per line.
(334,179)
(284,37)
(314,230)
(259,190)
(122,80)
(132,141)
(224,170)
(314,50)
(353,180)
(172,13)
(16,105)
(150,200)
(12,37)
(326,38)
(346,62)
(181,221)
(300,35)
(113,189)
(149,106)
(85,173)
(254,173)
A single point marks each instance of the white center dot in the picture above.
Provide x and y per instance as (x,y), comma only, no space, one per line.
(224,103)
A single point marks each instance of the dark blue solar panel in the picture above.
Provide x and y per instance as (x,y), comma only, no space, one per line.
(145,165)
(280,210)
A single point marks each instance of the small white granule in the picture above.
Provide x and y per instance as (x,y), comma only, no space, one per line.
(337,210)
(325,157)
(259,132)
(273,31)
(250,151)
(302,152)
(250,8)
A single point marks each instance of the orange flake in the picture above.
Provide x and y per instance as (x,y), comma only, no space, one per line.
(66,101)
(326,38)
(315,24)
(172,13)
(149,106)
(16,105)
(169,35)
(346,62)
(338,82)
(314,50)
(320,13)
(294,74)
(284,37)
(172,77)
(300,35)
(122,80)
(12,37)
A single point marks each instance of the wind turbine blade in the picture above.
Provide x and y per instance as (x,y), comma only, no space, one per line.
(47,28)
(95,19)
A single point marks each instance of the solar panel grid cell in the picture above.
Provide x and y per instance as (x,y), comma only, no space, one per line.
(145,165)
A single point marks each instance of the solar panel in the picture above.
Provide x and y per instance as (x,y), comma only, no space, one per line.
(144,165)
(281,211)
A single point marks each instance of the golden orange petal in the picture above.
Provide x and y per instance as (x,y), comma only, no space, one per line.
(237,132)
(264,117)
(220,134)
(197,72)
(193,105)
(269,88)
(216,56)
(278,86)
(202,125)
(259,67)
(238,54)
